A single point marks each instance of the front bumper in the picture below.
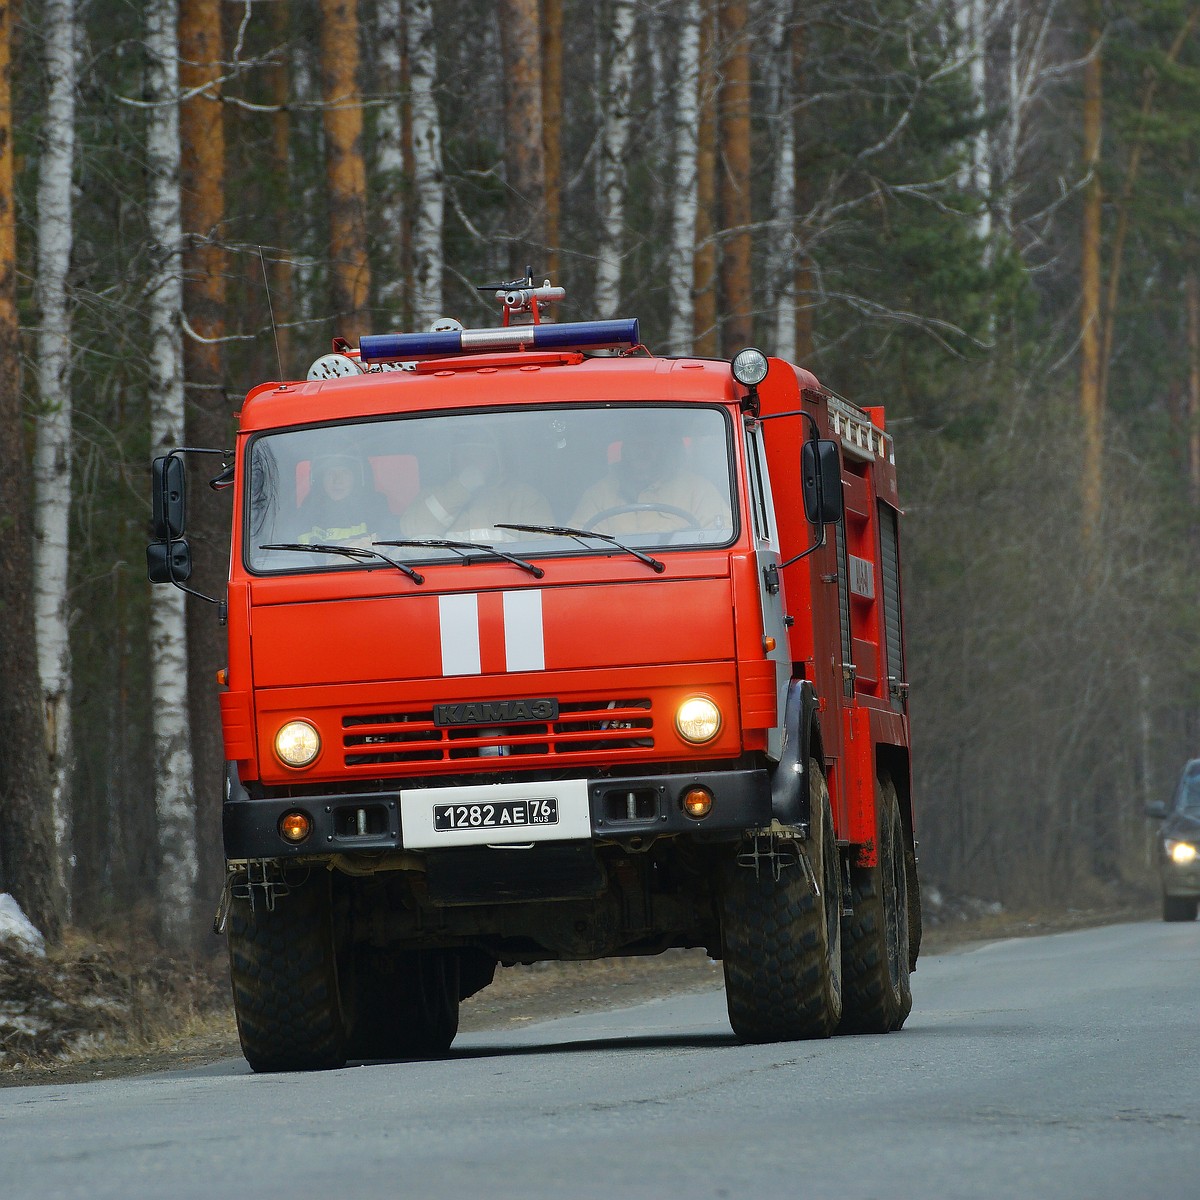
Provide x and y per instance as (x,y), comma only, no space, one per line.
(624,811)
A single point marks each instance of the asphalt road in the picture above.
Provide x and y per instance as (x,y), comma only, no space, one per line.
(1053,1067)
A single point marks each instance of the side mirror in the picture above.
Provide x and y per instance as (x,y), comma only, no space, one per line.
(168,562)
(167,497)
(1157,810)
(821,481)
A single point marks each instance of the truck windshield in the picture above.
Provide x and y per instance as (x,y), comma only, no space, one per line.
(650,477)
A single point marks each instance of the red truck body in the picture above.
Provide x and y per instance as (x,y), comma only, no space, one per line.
(500,763)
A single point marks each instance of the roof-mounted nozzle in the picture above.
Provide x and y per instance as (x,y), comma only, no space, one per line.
(523,296)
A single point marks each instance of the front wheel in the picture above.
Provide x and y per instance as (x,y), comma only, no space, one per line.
(1179,908)
(406,1003)
(283,969)
(782,942)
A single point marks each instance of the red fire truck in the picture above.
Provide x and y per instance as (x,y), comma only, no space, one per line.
(544,647)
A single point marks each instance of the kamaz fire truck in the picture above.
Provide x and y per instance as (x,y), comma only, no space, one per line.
(545,647)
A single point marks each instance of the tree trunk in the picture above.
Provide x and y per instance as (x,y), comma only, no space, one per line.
(613,144)
(428,184)
(52,454)
(552,104)
(389,159)
(350,272)
(1193,395)
(705,286)
(1089,365)
(27,852)
(781,257)
(524,149)
(208,416)
(681,267)
(736,297)
(976,174)
(283,283)
(168,631)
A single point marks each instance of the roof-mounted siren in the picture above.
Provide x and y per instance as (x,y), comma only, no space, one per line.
(621,334)
(523,296)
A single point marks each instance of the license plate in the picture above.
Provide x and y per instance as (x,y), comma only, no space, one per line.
(494,814)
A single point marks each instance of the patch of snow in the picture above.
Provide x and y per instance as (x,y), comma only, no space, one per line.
(15,926)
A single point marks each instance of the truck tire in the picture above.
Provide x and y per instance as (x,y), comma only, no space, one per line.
(781,942)
(1179,908)
(285,981)
(406,1004)
(876,992)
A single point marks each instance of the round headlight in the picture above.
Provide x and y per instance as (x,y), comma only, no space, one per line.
(1181,853)
(749,367)
(698,719)
(297,744)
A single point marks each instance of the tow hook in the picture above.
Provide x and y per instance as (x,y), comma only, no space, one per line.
(779,853)
(243,880)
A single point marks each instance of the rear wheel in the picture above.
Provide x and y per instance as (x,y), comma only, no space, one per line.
(782,940)
(406,1003)
(285,981)
(876,938)
(1179,908)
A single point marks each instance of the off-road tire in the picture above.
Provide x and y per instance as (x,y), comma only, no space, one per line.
(781,944)
(284,974)
(876,992)
(1179,908)
(406,1004)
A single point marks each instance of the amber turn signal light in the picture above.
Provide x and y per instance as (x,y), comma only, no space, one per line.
(697,802)
(295,826)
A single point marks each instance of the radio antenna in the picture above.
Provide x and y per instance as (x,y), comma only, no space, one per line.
(271,313)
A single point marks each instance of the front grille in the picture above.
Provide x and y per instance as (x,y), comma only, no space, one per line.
(582,727)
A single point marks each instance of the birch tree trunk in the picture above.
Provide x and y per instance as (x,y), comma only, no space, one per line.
(976,179)
(781,258)
(208,414)
(613,144)
(428,183)
(52,450)
(524,149)
(734,109)
(681,266)
(27,851)
(168,630)
(349,270)
(389,158)
(1089,314)
(705,288)
(552,105)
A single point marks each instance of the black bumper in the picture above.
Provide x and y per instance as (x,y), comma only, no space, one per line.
(622,810)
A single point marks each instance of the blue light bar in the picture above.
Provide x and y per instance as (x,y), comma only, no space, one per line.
(575,335)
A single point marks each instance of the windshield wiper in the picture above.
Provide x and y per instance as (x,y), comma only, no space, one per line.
(580,534)
(462,547)
(359,552)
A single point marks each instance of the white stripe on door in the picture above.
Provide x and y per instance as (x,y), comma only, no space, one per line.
(524,645)
(459,619)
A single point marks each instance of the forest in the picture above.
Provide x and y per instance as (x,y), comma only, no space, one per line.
(981,214)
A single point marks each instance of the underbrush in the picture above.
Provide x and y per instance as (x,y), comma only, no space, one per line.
(90,997)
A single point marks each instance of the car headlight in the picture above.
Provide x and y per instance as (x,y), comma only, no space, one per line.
(698,719)
(1181,853)
(297,744)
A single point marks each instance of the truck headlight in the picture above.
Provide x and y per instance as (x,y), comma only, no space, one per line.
(297,744)
(698,719)
(1181,853)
